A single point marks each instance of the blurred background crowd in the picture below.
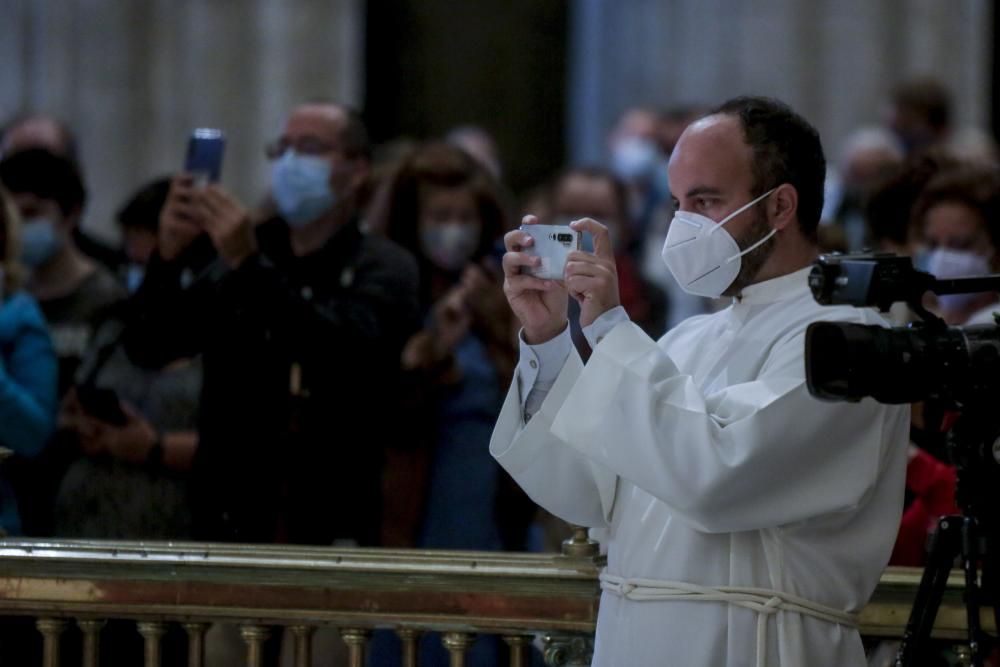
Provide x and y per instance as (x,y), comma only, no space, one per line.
(314,351)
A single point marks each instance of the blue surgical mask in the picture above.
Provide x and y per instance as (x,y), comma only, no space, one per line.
(301,188)
(134,275)
(40,241)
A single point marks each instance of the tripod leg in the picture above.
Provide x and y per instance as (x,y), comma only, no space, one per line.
(945,546)
(991,585)
(970,565)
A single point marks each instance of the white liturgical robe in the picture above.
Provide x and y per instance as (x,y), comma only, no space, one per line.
(706,460)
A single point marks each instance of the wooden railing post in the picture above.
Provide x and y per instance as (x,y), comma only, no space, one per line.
(152,632)
(196,643)
(519,645)
(303,644)
(51,629)
(91,630)
(255,636)
(409,637)
(458,644)
(357,641)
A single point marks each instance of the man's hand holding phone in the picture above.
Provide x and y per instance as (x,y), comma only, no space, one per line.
(228,224)
(197,204)
(592,278)
(540,304)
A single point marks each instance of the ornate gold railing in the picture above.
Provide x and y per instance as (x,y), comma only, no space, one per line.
(461,594)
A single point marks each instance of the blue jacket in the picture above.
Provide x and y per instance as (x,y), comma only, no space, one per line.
(28,387)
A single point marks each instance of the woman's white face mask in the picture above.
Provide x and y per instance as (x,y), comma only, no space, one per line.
(946,263)
(703,257)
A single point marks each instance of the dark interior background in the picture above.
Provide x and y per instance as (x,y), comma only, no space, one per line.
(435,64)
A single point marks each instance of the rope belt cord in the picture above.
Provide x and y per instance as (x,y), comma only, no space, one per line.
(763,601)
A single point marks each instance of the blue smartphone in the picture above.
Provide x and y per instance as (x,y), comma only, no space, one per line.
(204,155)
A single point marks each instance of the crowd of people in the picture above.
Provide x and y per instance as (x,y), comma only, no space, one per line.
(327,368)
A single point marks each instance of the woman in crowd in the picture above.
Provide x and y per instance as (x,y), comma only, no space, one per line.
(955,220)
(957,214)
(444,208)
(28,367)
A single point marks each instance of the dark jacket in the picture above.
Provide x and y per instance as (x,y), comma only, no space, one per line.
(301,358)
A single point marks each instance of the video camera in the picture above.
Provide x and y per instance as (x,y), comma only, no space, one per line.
(926,359)
(957,367)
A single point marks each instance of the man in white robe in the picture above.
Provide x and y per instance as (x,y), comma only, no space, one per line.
(703,455)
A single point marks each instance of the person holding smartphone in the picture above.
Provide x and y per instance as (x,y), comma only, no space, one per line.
(747,522)
(300,321)
(442,489)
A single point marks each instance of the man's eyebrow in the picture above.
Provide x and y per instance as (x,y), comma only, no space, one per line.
(703,190)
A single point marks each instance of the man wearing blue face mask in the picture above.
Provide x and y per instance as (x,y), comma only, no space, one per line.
(747,523)
(300,321)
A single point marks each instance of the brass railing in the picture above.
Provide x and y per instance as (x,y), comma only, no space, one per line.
(521,597)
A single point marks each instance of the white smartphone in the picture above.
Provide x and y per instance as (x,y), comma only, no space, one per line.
(553,243)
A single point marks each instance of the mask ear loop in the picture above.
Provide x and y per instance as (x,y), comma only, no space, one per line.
(756,245)
(739,210)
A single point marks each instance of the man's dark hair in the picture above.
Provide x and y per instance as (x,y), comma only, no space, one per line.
(354,137)
(786,149)
(926,98)
(47,176)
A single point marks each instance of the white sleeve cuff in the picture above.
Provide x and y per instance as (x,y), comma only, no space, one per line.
(602,326)
(539,365)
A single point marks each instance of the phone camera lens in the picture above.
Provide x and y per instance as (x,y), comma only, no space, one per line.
(565,238)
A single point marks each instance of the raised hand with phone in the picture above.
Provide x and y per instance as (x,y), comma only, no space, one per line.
(197,204)
(539,303)
(544,263)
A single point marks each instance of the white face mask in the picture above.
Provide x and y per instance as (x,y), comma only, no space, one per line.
(946,263)
(450,245)
(703,257)
(635,158)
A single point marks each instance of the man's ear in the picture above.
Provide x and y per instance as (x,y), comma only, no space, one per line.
(783,206)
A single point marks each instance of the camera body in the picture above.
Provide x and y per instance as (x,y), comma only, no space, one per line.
(926,359)
(553,243)
(868,279)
